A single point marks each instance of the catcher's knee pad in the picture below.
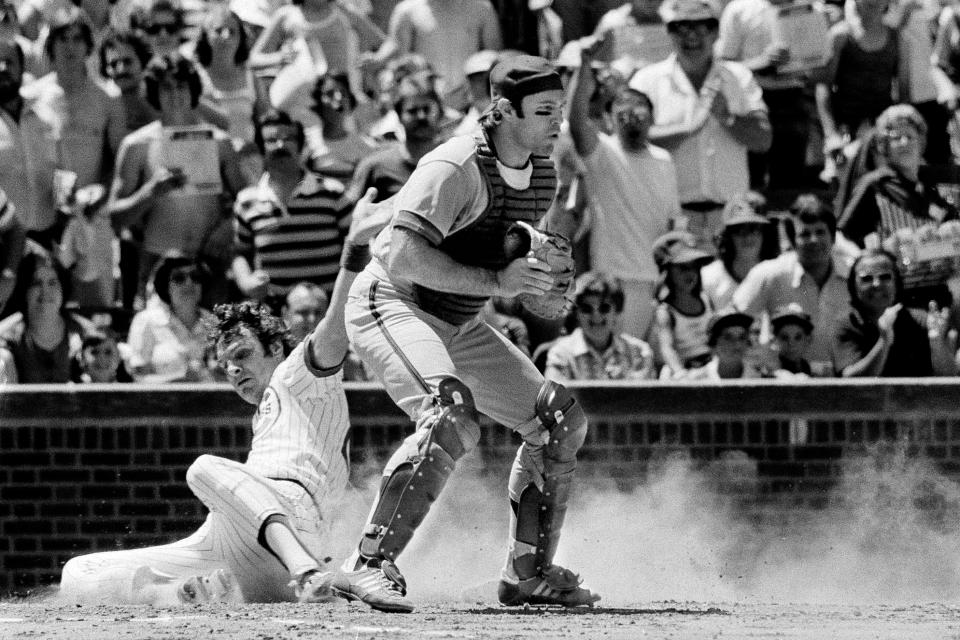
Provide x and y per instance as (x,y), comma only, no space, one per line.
(406,495)
(566,425)
(540,511)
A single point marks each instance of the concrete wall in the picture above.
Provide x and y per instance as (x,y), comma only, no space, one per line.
(85,468)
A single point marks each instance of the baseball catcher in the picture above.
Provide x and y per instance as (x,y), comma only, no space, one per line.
(464,229)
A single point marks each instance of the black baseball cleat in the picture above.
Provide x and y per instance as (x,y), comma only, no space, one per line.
(554,586)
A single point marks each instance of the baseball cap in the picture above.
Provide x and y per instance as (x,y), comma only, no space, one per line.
(739,211)
(688,10)
(791,313)
(480,62)
(728,317)
(678,247)
(521,76)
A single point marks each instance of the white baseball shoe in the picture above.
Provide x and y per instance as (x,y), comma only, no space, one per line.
(218,586)
(377,583)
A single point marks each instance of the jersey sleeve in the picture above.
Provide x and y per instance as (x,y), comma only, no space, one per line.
(436,199)
(318,372)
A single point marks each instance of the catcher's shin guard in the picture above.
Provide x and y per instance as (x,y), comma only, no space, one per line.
(539,513)
(406,495)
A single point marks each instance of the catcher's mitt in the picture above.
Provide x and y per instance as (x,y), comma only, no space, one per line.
(555,250)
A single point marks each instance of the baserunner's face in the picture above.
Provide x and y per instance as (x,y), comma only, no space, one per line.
(540,126)
(247,365)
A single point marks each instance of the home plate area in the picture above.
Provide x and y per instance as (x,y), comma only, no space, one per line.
(48,620)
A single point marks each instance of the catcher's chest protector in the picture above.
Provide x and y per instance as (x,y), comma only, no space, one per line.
(481,244)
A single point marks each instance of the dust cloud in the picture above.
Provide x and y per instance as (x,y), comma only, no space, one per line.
(890,534)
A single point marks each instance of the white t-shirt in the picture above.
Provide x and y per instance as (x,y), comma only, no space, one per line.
(632,196)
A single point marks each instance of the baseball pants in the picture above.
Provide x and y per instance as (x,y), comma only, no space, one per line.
(240,501)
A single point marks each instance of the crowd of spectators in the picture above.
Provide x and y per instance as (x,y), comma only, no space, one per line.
(747,203)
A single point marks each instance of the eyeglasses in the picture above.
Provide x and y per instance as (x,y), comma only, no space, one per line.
(223,32)
(180,277)
(426,110)
(117,62)
(587,308)
(170,27)
(681,27)
(871,278)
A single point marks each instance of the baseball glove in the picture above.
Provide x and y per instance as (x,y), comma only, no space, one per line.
(555,250)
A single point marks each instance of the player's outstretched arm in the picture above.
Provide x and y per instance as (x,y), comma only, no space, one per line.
(329,343)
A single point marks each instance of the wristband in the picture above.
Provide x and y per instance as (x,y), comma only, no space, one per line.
(354,257)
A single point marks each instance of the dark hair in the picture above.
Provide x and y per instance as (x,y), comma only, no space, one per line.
(233,317)
(204,51)
(621,90)
(276,118)
(59,28)
(140,17)
(165,267)
(809,208)
(95,338)
(420,84)
(34,257)
(852,278)
(20,55)
(176,66)
(115,39)
(596,283)
(336,76)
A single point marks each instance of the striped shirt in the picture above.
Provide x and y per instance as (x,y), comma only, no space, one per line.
(301,426)
(300,239)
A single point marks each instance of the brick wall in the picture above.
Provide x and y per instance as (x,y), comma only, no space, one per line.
(96,468)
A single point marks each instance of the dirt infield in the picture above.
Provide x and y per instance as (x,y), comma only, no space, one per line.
(466,620)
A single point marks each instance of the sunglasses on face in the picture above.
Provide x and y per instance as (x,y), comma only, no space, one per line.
(180,277)
(222,32)
(155,28)
(688,26)
(882,278)
(587,308)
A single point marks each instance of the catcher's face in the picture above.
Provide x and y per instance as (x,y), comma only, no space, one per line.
(539,128)
(597,318)
(247,365)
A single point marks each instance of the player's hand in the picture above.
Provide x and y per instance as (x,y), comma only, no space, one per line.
(526,274)
(368,218)
(886,320)
(256,285)
(777,55)
(938,324)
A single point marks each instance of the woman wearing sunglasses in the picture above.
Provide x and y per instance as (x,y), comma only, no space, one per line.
(596,349)
(168,339)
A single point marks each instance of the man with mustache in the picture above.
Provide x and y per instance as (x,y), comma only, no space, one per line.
(632,186)
(123,58)
(420,110)
(288,224)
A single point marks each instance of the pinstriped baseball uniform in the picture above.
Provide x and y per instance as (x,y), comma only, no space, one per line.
(296,470)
